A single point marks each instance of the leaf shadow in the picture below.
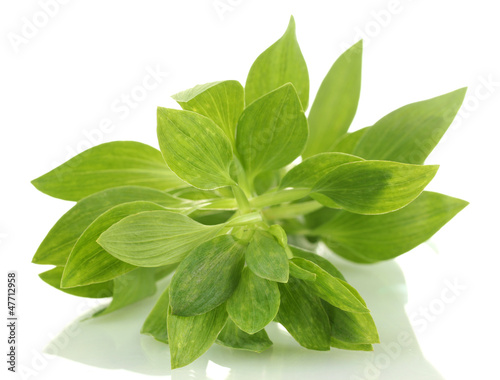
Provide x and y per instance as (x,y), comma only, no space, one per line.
(113,342)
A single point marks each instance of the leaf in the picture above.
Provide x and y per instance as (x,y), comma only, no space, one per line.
(155,238)
(155,324)
(88,262)
(348,142)
(352,328)
(332,289)
(53,278)
(130,288)
(207,277)
(222,102)
(303,315)
(59,242)
(374,187)
(191,337)
(254,303)
(318,260)
(337,343)
(231,336)
(267,258)
(281,63)
(195,148)
(410,133)
(311,170)
(302,274)
(105,166)
(272,131)
(336,102)
(373,238)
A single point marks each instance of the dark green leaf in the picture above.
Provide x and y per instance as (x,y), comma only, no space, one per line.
(231,336)
(300,273)
(337,343)
(318,260)
(267,258)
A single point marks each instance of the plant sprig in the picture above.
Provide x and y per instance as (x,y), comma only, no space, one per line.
(218,203)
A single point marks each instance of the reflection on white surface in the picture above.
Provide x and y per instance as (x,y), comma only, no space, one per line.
(114,342)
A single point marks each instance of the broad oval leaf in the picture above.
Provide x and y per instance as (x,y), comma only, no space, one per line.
(222,102)
(281,63)
(108,165)
(155,324)
(195,148)
(332,289)
(303,315)
(57,245)
(53,278)
(336,102)
(272,131)
(231,336)
(374,187)
(88,262)
(267,258)
(155,238)
(191,337)
(318,260)
(207,277)
(254,303)
(410,133)
(311,170)
(372,238)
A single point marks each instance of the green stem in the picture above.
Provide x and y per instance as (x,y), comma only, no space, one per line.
(241,199)
(277,197)
(292,210)
(243,220)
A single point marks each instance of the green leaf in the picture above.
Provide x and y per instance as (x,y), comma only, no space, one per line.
(207,277)
(191,337)
(155,238)
(267,258)
(353,328)
(410,133)
(108,165)
(318,260)
(332,289)
(222,102)
(254,303)
(337,343)
(348,142)
(281,63)
(195,148)
(336,102)
(310,171)
(88,262)
(155,324)
(231,336)
(53,278)
(130,288)
(372,238)
(302,274)
(303,315)
(272,131)
(59,242)
(374,187)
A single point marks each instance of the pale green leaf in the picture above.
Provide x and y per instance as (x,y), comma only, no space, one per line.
(155,324)
(191,337)
(267,258)
(222,102)
(231,336)
(332,289)
(372,238)
(311,170)
(336,102)
(337,343)
(207,277)
(195,148)
(59,242)
(88,262)
(53,278)
(348,142)
(272,131)
(374,187)
(254,303)
(108,165)
(303,315)
(155,238)
(281,63)
(410,133)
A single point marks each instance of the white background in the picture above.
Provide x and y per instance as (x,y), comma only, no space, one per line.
(66,77)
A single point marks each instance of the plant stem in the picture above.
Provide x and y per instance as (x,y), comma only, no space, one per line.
(243,220)
(241,199)
(292,210)
(277,197)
